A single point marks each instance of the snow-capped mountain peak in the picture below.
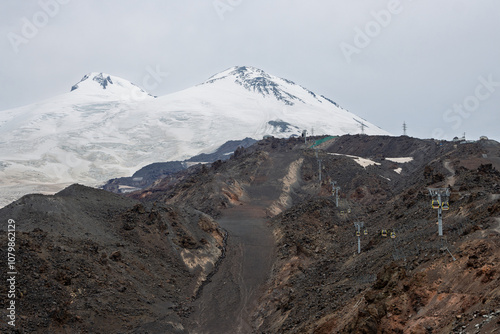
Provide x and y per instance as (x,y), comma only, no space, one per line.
(258,81)
(240,72)
(105,85)
(101,78)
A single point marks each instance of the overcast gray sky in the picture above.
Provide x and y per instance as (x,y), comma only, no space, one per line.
(434,64)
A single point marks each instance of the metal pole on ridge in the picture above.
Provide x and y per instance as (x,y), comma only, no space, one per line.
(440,201)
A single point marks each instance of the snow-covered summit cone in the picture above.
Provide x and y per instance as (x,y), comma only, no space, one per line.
(256,80)
(107,86)
(248,102)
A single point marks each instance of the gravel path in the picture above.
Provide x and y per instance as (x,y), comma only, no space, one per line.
(228,301)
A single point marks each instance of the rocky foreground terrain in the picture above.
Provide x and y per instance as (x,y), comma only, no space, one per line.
(256,244)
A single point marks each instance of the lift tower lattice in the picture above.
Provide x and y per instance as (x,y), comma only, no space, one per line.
(440,201)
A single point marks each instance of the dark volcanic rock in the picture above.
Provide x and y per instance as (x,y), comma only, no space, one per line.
(80,271)
(94,261)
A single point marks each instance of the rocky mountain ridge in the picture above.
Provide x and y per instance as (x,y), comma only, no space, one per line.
(290,262)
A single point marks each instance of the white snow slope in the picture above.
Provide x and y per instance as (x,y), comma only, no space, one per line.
(107,127)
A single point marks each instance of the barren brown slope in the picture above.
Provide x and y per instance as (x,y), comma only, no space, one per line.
(270,176)
(319,283)
(89,261)
(289,264)
(409,284)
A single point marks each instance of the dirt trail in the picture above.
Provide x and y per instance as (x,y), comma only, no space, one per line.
(452,178)
(227,302)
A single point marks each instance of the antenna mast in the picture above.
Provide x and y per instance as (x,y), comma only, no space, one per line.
(362,125)
(335,192)
(319,165)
